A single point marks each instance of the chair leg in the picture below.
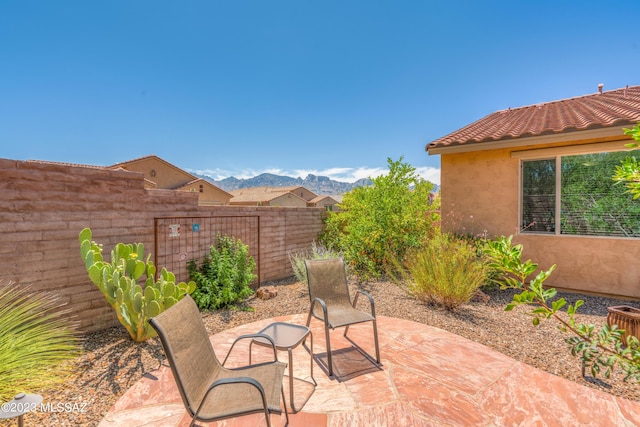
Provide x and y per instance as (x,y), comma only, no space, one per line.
(284,403)
(375,339)
(329,360)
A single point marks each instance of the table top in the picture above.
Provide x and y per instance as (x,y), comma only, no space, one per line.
(285,335)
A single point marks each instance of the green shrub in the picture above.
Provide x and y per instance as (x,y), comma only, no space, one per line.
(317,251)
(378,225)
(35,340)
(446,271)
(224,276)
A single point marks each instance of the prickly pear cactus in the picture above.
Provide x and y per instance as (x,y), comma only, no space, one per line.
(120,282)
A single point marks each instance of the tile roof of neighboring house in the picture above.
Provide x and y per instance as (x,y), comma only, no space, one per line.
(286,188)
(606,109)
(258,194)
(318,199)
(270,189)
(49,162)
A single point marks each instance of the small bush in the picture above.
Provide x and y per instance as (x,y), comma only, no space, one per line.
(224,276)
(317,251)
(446,271)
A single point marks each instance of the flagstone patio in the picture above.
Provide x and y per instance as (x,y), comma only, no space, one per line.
(429,377)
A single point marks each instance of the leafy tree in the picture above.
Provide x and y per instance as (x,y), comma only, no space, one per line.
(629,171)
(380,223)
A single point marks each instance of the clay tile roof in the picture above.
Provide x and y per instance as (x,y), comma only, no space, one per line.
(610,108)
(49,162)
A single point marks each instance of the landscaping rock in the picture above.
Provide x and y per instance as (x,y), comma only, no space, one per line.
(267,292)
(481,297)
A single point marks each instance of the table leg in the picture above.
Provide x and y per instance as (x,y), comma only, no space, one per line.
(291,379)
(311,357)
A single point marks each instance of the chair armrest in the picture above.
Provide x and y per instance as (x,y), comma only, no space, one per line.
(371,303)
(236,380)
(323,305)
(252,336)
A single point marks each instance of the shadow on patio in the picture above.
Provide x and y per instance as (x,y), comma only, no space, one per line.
(429,377)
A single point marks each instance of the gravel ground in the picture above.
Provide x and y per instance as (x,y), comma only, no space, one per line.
(112,362)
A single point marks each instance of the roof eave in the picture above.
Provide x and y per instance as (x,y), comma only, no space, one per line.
(572,136)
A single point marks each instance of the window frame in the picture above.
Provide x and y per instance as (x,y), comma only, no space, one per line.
(558,153)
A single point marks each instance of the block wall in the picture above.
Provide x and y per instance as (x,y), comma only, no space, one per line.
(44,206)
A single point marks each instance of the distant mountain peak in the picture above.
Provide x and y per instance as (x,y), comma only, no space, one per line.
(321,185)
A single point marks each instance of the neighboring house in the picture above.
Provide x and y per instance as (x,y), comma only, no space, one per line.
(543,172)
(266,196)
(298,190)
(161,174)
(327,202)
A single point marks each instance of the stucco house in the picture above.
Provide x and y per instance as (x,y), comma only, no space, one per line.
(266,196)
(543,174)
(159,173)
(327,202)
(298,190)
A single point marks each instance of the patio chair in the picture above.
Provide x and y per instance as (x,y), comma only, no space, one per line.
(210,391)
(331,302)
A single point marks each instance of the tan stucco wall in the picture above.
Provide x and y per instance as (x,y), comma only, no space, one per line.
(304,193)
(593,264)
(480,191)
(210,195)
(163,174)
(288,200)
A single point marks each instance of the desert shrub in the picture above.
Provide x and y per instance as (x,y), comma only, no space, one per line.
(317,251)
(446,271)
(224,276)
(35,340)
(379,224)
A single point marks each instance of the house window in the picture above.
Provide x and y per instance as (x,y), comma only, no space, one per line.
(576,195)
(539,195)
(201,188)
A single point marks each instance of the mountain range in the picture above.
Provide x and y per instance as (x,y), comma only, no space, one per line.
(321,185)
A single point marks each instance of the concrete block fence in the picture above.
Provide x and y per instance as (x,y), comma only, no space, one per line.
(44,206)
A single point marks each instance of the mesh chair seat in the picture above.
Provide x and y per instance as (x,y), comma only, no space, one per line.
(210,391)
(344,315)
(226,401)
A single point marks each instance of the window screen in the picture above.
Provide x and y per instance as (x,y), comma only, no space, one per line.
(591,203)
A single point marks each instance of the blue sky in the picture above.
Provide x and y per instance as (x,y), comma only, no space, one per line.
(290,87)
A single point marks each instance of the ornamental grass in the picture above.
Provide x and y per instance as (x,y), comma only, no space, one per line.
(35,341)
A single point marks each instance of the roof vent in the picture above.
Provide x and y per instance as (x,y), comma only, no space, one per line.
(600,86)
